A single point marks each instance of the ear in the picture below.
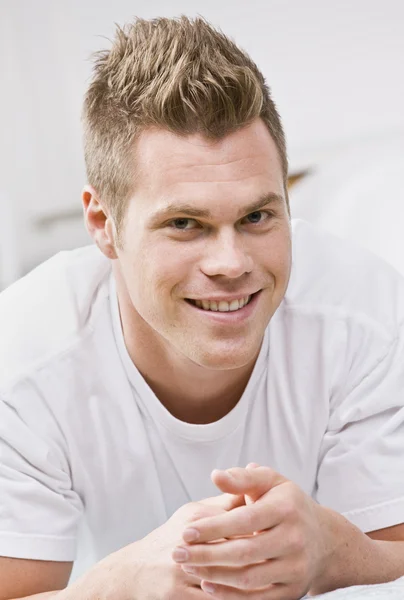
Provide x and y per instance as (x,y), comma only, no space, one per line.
(99,223)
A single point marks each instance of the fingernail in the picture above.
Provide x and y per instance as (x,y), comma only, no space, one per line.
(189,570)
(190,535)
(180,554)
(208,587)
(229,474)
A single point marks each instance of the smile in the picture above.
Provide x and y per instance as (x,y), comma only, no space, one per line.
(222,305)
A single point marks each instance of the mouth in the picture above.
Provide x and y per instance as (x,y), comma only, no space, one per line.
(223,306)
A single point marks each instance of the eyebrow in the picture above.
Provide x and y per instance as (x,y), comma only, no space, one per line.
(191,211)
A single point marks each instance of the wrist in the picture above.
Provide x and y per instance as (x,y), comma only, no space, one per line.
(115,577)
(341,545)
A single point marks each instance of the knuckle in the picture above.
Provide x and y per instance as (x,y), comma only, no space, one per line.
(297,541)
(201,510)
(205,573)
(186,509)
(289,506)
(201,555)
(244,580)
(244,552)
(249,520)
(196,515)
(296,494)
(194,511)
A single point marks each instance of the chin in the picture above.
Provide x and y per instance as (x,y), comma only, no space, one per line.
(224,359)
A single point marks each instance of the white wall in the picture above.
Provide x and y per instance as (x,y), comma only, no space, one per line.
(335,68)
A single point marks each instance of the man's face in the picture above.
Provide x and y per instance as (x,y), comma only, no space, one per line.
(206,230)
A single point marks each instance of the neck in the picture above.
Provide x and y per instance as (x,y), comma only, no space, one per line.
(190,392)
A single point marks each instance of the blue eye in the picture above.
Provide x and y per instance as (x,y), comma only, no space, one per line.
(182,224)
(255,217)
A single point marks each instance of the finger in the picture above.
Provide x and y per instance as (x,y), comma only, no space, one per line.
(251,577)
(252,481)
(243,520)
(290,570)
(225,501)
(252,465)
(238,552)
(277,591)
(194,593)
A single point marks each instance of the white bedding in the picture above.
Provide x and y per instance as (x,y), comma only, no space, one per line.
(384,591)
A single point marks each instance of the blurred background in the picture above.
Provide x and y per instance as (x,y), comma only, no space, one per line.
(336,70)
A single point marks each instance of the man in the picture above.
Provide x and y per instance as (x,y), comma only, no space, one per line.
(218,391)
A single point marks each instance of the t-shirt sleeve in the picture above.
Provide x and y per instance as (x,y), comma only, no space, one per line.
(361,464)
(39,510)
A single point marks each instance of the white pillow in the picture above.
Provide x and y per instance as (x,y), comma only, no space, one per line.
(359,194)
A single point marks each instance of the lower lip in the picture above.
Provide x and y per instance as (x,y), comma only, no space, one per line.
(231,316)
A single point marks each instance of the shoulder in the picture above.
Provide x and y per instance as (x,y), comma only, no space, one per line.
(334,278)
(50,310)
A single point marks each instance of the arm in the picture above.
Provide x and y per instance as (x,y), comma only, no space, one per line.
(21,578)
(43,596)
(130,572)
(355,558)
(389,534)
(360,467)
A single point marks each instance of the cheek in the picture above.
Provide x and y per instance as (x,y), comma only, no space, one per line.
(275,254)
(163,269)
(281,252)
(284,261)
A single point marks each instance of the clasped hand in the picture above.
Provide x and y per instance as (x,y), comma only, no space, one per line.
(268,548)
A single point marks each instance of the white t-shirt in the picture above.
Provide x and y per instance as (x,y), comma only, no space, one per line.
(86,448)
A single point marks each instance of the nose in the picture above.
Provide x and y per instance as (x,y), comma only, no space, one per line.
(226,255)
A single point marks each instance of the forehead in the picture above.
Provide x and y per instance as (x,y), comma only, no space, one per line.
(169,162)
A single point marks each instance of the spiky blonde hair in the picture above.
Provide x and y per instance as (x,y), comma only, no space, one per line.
(181,75)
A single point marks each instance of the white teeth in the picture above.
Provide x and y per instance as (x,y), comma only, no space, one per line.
(223,305)
(235,304)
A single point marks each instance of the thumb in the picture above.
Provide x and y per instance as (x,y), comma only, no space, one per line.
(252,481)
